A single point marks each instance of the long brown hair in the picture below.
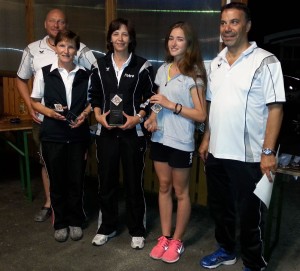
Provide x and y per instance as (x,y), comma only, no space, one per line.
(192,63)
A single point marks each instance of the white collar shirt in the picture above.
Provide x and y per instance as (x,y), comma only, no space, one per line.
(239,96)
(68,78)
(117,70)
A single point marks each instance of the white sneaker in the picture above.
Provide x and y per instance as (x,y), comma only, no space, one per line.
(138,242)
(101,239)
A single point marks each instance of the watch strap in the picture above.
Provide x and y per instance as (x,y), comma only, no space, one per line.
(268,151)
(141,118)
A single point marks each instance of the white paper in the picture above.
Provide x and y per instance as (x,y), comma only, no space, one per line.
(264,189)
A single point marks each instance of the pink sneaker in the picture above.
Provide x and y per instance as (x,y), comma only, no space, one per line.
(174,251)
(158,251)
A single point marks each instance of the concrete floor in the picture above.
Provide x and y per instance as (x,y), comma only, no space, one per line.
(28,245)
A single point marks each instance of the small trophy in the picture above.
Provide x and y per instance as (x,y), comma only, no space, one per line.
(58,108)
(71,117)
(156,108)
(116,110)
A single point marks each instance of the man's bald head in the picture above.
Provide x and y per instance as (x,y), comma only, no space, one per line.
(55,21)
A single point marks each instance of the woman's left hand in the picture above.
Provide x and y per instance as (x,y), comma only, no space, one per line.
(151,125)
(79,120)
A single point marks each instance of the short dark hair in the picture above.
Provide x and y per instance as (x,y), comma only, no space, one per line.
(68,35)
(240,6)
(115,25)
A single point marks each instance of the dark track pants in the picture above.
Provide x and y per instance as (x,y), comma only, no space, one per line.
(230,186)
(131,152)
(65,164)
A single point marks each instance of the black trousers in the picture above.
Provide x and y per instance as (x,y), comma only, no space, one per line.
(130,151)
(65,164)
(230,186)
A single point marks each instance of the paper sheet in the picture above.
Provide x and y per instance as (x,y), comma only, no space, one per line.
(264,189)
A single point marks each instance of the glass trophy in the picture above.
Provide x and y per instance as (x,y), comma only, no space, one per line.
(71,117)
(156,108)
(115,118)
(58,108)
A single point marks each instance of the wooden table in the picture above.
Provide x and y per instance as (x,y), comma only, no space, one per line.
(283,176)
(20,145)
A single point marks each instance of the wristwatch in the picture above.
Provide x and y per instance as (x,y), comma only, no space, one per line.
(141,118)
(268,151)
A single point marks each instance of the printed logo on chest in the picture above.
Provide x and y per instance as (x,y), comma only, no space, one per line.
(129,75)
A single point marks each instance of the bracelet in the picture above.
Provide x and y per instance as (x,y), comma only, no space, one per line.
(176,111)
(179,109)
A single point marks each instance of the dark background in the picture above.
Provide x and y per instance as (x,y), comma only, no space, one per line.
(282,20)
(269,17)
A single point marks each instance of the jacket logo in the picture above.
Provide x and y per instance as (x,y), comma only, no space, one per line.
(107,69)
(41,52)
(129,75)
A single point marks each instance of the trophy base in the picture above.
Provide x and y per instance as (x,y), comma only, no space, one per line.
(115,118)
